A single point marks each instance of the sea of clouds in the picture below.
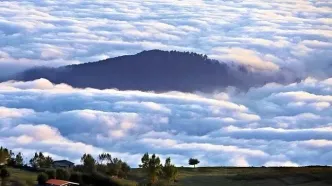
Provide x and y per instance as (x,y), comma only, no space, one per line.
(272,125)
(283,125)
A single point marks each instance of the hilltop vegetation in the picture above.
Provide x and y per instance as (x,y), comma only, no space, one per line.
(154,70)
(216,176)
(103,170)
(107,170)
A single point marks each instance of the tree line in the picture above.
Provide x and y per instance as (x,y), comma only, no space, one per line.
(92,171)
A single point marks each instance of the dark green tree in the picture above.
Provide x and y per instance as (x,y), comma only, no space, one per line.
(34,161)
(152,166)
(112,166)
(125,168)
(19,159)
(47,162)
(40,161)
(115,166)
(89,162)
(108,158)
(105,158)
(102,158)
(169,171)
(193,162)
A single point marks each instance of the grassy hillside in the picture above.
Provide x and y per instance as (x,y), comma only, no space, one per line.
(216,176)
(22,176)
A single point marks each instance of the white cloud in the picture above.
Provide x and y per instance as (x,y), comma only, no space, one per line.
(266,35)
(244,56)
(280,164)
(257,128)
(272,125)
(239,161)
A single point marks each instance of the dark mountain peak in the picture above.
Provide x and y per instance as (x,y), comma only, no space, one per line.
(152,70)
(175,54)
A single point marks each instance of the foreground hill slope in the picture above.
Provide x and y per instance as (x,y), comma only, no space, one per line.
(153,70)
(215,176)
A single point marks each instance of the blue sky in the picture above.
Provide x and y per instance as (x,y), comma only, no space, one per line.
(269,125)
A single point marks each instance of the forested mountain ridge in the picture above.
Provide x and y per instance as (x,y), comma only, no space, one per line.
(153,70)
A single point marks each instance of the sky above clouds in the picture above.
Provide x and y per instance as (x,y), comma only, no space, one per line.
(283,125)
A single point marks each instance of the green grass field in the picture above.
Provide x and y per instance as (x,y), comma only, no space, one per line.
(219,176)
(17,175)
(216,176)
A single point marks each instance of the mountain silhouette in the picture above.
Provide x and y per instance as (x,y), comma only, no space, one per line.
(152,70)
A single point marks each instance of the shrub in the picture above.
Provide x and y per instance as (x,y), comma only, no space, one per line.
(4,173)
(76,177)
(42,178)
(97,179)
(62,174)
(169,171)
(152,166)
(51,174)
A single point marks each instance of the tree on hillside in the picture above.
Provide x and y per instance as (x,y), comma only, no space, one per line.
(19,159)
(125,168)
(193,162)
(105,157)
(102,158)
(40,161)
(89,162)
(115,166)
(152,166)
(48,161)
(34,161)
(4,155)
(108,158)
(169,171)
(112,166)
(4,174)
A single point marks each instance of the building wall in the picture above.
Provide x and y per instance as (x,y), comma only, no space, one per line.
(61,165)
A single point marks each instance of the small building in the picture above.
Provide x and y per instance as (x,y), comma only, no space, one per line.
(63,164)
(54,182)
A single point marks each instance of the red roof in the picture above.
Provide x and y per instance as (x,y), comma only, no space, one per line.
(59,182)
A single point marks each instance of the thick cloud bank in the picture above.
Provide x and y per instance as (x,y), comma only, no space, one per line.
(272,125)
(267,35)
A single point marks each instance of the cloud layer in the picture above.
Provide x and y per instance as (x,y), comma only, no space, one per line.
(270,125)
(266,35)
